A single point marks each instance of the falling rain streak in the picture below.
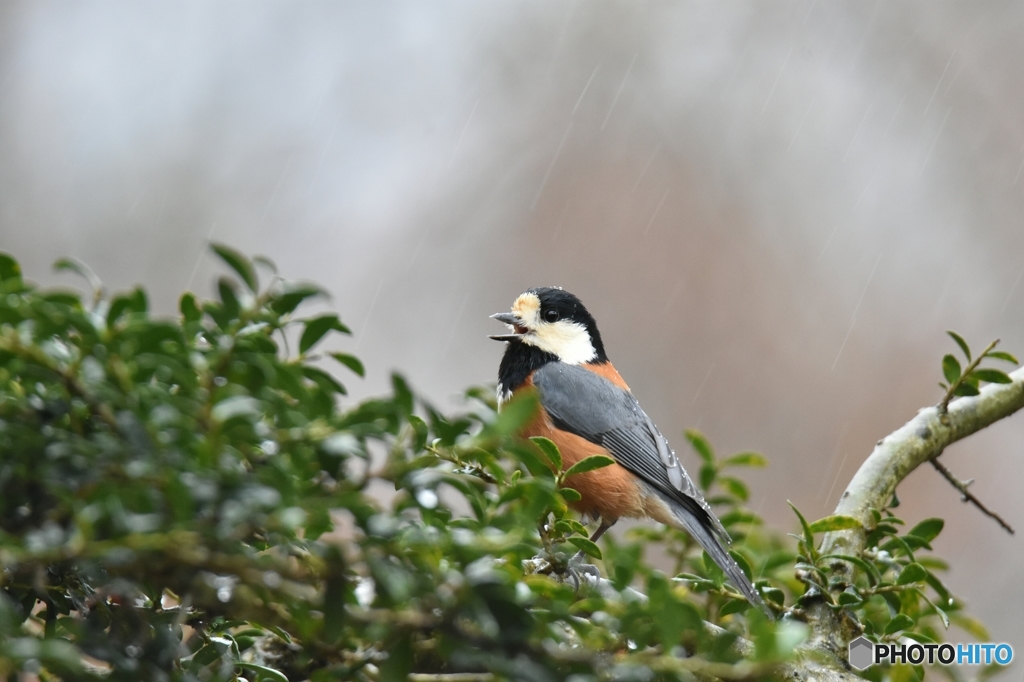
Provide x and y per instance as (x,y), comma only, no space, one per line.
(655,214)
(463,133)
(551,167)
(856,309)
(776,83)
(585,88)
(618,93)
(936,140)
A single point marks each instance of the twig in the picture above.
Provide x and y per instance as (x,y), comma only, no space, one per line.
(918,441)
(944,405)
(967,496)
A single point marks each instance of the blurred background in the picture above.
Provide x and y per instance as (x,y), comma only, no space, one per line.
(774,210)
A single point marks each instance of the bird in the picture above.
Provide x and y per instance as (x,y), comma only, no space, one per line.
(586,408)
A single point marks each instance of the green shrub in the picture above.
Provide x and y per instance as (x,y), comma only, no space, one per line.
(189,499)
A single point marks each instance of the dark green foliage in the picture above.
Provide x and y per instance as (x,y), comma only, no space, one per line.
(966,381)
(188,499)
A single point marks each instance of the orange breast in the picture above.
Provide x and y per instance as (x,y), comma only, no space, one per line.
(608,493)
(606,370)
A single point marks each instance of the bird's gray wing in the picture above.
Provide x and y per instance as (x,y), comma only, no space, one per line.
(588,405)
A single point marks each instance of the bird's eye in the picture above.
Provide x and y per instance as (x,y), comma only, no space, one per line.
(551,315)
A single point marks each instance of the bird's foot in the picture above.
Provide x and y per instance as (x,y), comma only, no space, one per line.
(580,571)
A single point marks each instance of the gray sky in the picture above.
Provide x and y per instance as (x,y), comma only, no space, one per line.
(773,210)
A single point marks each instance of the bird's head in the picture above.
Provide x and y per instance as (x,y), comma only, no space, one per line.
(556,322)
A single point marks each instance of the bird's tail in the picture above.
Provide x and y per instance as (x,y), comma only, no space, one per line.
(703,532)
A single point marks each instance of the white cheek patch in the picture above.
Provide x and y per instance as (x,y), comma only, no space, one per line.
(568,341)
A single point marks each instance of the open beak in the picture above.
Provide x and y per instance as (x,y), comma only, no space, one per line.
(512,321)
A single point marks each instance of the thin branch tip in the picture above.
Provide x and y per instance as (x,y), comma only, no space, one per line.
(967,496)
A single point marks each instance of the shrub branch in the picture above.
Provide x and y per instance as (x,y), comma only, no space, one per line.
(920,440)
(967,496)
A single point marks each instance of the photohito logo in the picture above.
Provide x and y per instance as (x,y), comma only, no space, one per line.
(865,653)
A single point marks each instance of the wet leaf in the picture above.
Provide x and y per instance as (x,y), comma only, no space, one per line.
(950,368)
(993,376)
(589,464)
(966,389)
(317,328)
(746,459)
(900,622)
(808,534)
(701,445)
(81,269)
(570,494)
(835,522)
(960,342)
(911,573)
(239,263)
(589,548)
(928,529)
(10,270)
(350,361)
(870,571)
(550,451)
(1002,355)
(190,310)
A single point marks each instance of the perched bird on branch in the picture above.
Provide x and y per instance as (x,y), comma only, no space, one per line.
(586,409)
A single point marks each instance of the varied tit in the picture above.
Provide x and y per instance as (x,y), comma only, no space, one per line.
(586,409)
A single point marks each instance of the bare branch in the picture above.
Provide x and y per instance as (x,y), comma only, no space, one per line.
(920,440)
(968,496)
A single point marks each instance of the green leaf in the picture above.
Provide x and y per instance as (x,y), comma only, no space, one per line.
(874,577)
(911,573)
(834,522)
(707,475)
(265,262)
(550,450)
(229,299)
(1002,355)
(950,368)
(928,529)
(701,445)
(289,295)
(993,376)
(713,570)
(517,412)
(742,562)
(901,622)
(939,612)
(960,342)
(849,598)
(134,302)
(754,460)
(81,269)
(238,263)
(188,307)
(317,328)
(263,672)
(9,268)
(325,381)
(350,361)
(808,534)
(589,464)
(589,548)
(966,389)
(568,494)
(734,606)
(735,487)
